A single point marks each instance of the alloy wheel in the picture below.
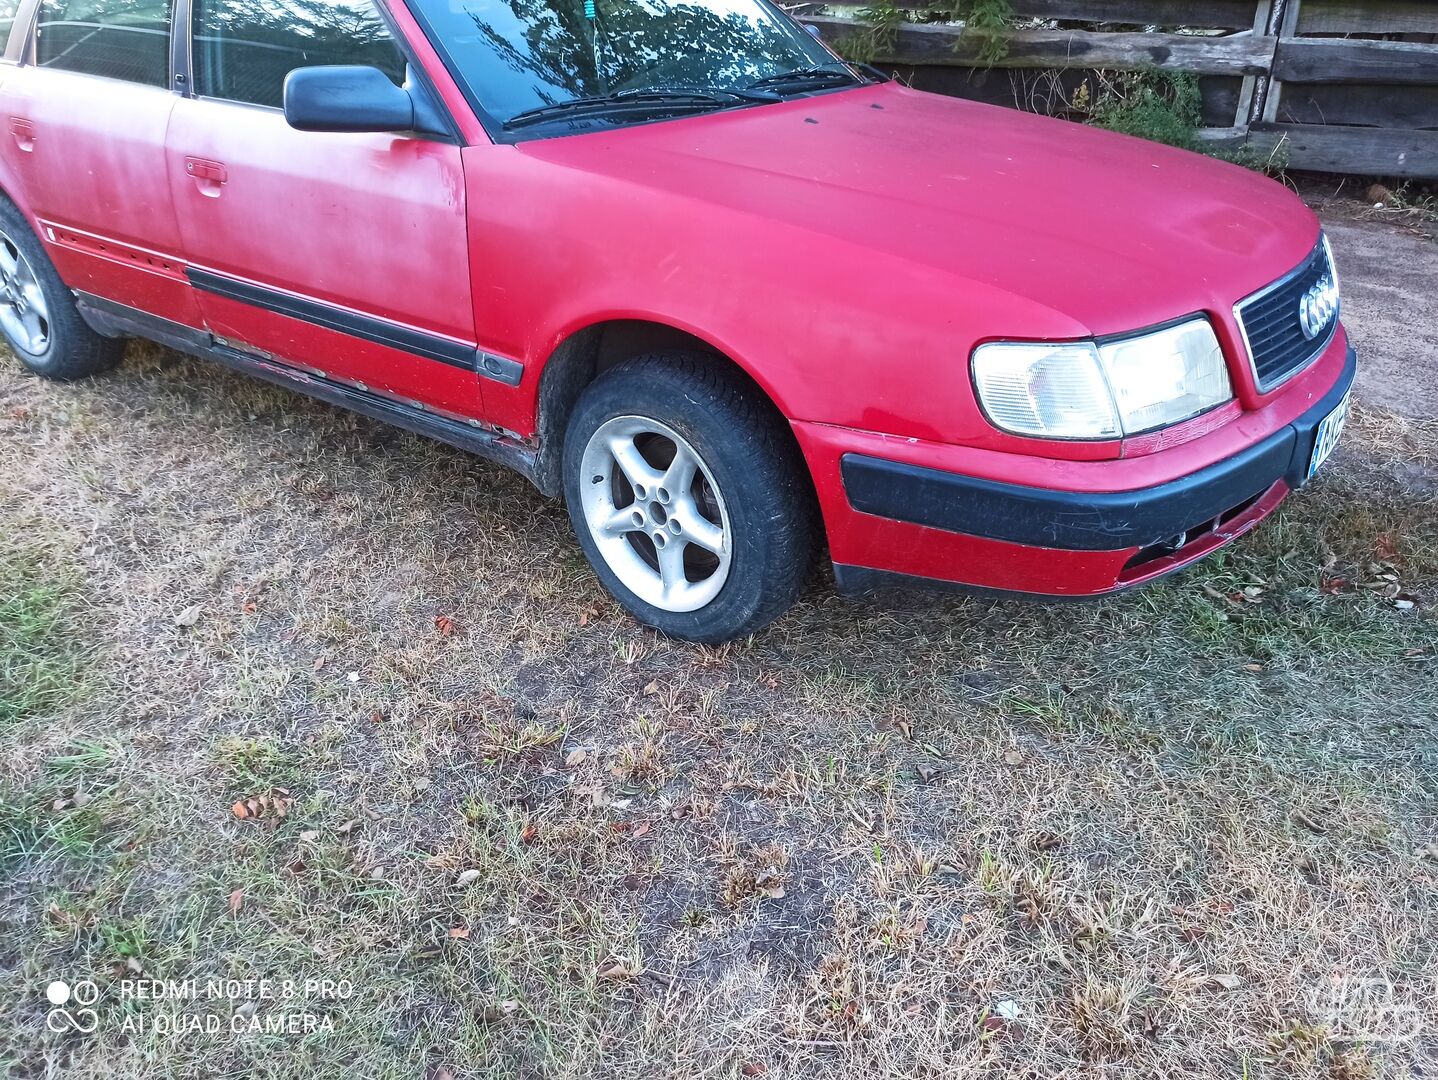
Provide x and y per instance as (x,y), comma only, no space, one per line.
(655,513)
(24,315)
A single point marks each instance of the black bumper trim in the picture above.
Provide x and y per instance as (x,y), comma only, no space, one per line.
(1085,521)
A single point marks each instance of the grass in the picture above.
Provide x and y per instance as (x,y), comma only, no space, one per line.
(925,837)
(38,662)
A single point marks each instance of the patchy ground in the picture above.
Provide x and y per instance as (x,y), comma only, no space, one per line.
(1166,835)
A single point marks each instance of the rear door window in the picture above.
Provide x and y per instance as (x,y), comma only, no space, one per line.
(117,39)
(8,8)
(243,49)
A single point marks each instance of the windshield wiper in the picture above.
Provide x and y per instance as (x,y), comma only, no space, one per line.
(807,77)
(640,100)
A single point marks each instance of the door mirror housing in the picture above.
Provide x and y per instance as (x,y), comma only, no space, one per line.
(355,98)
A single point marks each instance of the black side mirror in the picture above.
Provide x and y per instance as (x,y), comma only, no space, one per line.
(354,97)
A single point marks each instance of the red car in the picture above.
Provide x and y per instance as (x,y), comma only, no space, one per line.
(729,296)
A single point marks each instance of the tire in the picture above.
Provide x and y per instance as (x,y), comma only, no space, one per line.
(38,316)
(727,552)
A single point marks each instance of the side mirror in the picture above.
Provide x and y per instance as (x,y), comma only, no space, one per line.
(354,97)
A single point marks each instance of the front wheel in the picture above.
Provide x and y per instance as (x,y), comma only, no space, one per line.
(689,498)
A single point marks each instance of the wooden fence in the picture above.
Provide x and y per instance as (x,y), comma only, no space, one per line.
(1334,85)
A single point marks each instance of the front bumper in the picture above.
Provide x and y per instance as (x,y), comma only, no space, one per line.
(915,520)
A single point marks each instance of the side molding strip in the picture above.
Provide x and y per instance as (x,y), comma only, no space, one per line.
(380,331)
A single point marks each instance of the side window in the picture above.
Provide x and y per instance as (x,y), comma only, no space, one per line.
(119,39)
(243,49)
(8,8)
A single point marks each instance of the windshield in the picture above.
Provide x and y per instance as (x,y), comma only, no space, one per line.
(519,55)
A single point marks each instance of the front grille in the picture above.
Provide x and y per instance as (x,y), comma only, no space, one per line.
(1272,328)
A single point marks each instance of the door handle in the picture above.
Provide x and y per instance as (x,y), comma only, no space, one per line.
(24,133)
(209,176)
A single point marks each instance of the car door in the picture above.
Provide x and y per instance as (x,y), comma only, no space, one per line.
(344,253)
(85,115)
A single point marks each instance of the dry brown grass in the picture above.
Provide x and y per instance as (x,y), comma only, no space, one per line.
(931,837)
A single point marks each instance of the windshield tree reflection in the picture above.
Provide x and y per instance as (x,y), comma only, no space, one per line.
(520,54)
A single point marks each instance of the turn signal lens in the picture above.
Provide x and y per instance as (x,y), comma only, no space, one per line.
(1048,391)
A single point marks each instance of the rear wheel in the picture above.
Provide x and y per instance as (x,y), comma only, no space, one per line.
(38,316)
(688,496)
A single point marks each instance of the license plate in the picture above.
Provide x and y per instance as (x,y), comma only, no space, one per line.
(1327,436)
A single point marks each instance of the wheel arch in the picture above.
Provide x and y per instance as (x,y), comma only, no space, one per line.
(585,353)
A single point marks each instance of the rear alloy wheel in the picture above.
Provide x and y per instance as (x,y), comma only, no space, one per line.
(688,495)
(38,316)
(24,315)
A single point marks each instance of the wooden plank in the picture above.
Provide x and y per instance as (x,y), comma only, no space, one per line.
(1363,150)
(1048,92)
(1235,54)
(1212,14)
(1283,24)
(1255,87)
(1329,60)
(1359,104)
(1369,17)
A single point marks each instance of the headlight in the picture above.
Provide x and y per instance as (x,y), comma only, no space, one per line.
(1102,390)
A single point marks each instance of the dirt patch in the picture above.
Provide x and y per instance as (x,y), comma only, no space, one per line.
(1388,263)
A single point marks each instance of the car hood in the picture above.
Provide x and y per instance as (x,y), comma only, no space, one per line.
(1110,232)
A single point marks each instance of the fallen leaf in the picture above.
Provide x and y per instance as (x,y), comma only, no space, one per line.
(1013,757)
(615,968)
(1227,982)
(469,877)
(237,898)
(273,804)
(639,830)
(753,1068)
(926,773)
(770,886)
(189,617)
(1301,817)
(444,624)
(575,757)
(500,1010)
(459,933)
(348,827)
(528,833)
